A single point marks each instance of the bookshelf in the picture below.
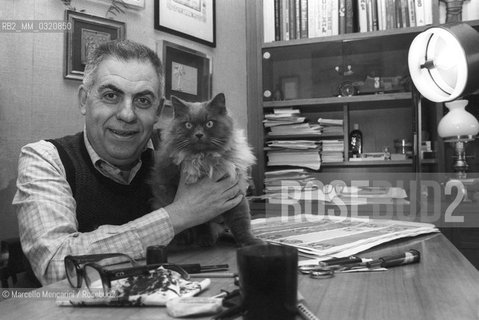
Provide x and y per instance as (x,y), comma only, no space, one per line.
(383,116)
(406,109)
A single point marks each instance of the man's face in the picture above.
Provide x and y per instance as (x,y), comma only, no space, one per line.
(121,109)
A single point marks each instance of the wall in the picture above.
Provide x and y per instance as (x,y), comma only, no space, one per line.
(37,103)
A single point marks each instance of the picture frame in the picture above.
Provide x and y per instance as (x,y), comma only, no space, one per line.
(290,87)
(188,73)
(191,19)
(87,32)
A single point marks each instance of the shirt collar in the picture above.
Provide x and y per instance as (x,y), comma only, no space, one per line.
(109,170)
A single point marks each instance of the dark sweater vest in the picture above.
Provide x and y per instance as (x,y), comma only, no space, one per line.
(100,200)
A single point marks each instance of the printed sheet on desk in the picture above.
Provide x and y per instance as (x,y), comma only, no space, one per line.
(326,236)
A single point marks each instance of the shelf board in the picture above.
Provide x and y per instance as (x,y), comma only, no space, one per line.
(338,100)
(355,36)
(375,163)
(301,136)
(429,161)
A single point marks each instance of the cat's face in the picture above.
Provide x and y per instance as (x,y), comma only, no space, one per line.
(201,126)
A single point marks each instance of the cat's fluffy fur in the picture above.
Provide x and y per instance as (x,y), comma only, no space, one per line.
(202,141)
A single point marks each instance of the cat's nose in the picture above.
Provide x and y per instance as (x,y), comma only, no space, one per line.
(199,135)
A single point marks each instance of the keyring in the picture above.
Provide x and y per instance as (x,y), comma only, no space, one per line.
(324,273)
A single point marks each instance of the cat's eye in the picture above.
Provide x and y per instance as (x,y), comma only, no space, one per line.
(188,125)
(209,124)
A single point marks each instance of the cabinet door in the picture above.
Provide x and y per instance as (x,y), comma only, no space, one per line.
(302,71)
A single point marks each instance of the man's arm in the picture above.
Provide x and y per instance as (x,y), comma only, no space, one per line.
(48,227)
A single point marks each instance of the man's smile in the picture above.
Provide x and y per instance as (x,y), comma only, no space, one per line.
(123,133)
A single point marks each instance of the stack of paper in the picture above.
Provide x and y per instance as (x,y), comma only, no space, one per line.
(298,158)
(282,185)
(332,151)
(289,122)
(299,129)
(331,127)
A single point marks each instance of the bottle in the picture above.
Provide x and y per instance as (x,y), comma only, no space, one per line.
(356,142)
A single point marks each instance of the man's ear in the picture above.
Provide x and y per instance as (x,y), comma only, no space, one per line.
(82,97)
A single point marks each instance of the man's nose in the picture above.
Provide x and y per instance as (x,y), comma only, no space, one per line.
(126,111)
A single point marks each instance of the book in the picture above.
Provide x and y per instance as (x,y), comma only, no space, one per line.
(268,20)
(284,20)
(420,13)
(390,14)
(304,24)
(412,13)
(312,19)
(342,16)
(277,20)
(362,15)
(350,17)
(292,19)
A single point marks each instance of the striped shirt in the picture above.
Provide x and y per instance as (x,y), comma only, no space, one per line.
(46,213)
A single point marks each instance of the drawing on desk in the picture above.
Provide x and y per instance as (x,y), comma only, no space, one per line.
(154,289)
(324,236)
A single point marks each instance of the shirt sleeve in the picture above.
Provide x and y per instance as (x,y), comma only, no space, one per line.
(48,228)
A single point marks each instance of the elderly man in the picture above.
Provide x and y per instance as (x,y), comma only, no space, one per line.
(88,193)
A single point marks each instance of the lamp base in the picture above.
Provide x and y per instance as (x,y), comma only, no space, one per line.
(460,165)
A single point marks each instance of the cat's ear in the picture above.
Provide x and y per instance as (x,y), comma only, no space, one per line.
(179,106)
(218,104)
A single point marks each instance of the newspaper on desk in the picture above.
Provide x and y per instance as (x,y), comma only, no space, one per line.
(330,236)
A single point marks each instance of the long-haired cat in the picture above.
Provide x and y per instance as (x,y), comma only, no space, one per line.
(202,141)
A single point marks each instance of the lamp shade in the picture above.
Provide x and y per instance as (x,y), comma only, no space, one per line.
(458,123)
(444,62)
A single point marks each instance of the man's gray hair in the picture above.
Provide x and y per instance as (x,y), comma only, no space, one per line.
(122,50)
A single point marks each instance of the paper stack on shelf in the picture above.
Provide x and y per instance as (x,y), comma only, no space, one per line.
(327,236)
(299,129)
(292,144)
(280,185)
(298,158)
(289,122)
(332,151)
(331,127)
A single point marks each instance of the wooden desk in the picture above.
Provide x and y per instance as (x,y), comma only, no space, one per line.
(444,285)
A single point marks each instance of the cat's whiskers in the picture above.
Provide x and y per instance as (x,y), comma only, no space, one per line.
(217,141)
(182,145)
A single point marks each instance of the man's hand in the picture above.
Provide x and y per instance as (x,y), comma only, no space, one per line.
(202,201)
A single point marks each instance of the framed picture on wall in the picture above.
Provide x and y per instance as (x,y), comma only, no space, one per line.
(187,73)
(190,19)
(87,32)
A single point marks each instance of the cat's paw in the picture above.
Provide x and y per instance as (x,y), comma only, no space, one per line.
(251,242)
(190,179)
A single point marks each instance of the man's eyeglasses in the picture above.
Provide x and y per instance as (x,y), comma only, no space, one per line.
(102,269)
(74,265)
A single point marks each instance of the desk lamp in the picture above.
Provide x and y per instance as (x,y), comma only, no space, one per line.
(444,66)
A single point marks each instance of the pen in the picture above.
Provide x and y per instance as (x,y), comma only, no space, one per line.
(214,275)
(341,261)
(197,268)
